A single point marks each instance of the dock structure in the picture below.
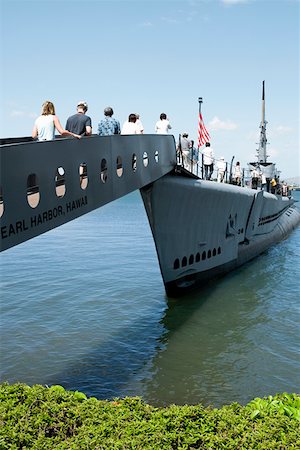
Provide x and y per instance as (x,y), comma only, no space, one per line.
(46,184)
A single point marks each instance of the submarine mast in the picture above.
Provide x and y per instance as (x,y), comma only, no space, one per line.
(262,149)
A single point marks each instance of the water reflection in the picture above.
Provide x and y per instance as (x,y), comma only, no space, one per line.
(225,344)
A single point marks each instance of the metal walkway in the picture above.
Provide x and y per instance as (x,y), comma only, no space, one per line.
(46,184)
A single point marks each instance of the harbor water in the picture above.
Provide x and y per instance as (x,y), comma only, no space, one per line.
(84,306)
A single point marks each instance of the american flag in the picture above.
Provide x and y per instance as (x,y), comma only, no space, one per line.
(203,134)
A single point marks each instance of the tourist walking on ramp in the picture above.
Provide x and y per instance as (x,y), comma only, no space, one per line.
(162,126)
(208,161)
(221,165)
(237,174)
(273,185)
(109,125)
(183,148)
(46,124)
(255,175)
(194,154)
(139,124)
(130,126)
(80,123)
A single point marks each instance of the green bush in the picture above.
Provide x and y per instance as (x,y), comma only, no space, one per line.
(51,418)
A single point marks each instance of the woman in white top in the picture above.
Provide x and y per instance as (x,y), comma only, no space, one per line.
(162,126)
(131,126)
(45,125)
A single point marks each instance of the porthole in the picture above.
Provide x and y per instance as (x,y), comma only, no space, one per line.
(197,257)
(214,252)
(184,261)
(103,173)
(134,162)
(83,176)
(176,264)
(1,203)
(209,254)
(60,182)
(119,166)
(156,158)
(145,159)
(33,190)
(191,260)
(203,255)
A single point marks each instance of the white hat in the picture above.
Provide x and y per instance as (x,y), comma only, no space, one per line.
(84,104)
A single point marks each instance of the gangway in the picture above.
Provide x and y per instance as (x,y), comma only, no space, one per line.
(46,184)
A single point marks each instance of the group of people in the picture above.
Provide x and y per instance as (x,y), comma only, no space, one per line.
(258,178)
(190,158)
(208,163)
(273,185)
(80,124)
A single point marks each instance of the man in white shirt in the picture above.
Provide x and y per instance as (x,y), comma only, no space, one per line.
(208,161)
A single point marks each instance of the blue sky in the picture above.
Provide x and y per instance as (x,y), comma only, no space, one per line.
(149,57)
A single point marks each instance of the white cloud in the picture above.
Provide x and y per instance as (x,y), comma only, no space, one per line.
(233,2)
(217,124)
(16,113)
(22,113)
(170,20)
(275,132)
(253,136)
(281,129)
(146,24)
(273,153)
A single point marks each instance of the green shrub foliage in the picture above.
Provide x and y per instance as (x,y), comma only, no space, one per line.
(39,417)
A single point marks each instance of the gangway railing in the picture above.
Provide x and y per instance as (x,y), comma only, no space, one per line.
(46,184)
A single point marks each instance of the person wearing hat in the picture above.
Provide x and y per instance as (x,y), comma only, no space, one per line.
(109,125)
(183,148)
(221,164)
(139,124)
(80,123)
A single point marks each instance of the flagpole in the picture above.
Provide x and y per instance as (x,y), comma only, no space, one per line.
(200,100)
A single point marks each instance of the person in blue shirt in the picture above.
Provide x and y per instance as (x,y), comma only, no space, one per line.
(109,125)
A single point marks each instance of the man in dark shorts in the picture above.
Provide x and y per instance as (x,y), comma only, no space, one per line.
(80,121)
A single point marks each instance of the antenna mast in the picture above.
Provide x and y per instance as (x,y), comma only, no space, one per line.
(262,149)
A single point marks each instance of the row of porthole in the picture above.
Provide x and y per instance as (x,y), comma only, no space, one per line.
(33,194)
(196,258)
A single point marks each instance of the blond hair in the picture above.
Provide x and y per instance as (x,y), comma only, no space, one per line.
(48,108)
